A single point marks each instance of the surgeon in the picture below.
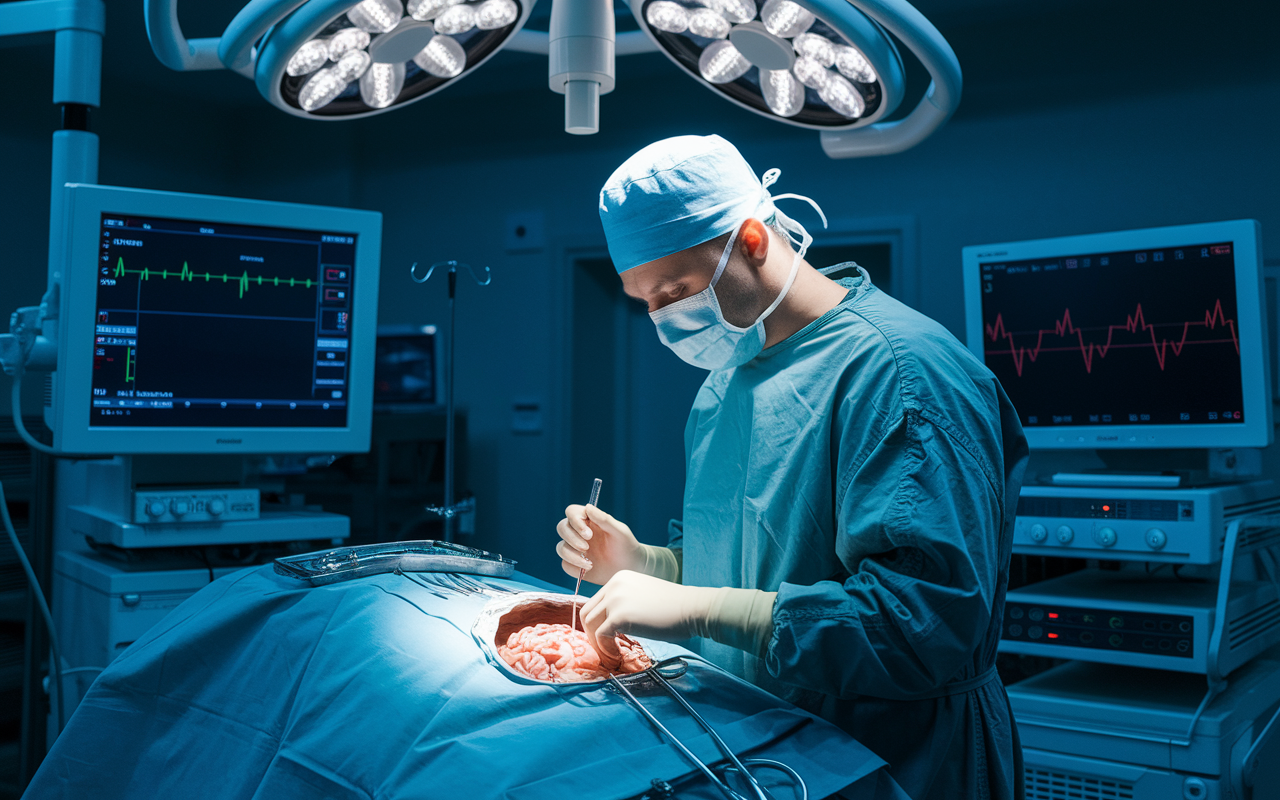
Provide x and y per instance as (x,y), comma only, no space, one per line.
(851,478)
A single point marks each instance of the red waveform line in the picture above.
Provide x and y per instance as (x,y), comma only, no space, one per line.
(1135,323)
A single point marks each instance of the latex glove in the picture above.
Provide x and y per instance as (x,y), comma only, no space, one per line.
(594,540)
(633,603)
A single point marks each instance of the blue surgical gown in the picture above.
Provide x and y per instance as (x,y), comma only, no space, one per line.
(867,469)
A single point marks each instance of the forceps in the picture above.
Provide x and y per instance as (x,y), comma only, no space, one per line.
(675,667)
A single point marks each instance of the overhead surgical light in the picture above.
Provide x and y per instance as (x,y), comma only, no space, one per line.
(827,65)
(823,64)
(344,59)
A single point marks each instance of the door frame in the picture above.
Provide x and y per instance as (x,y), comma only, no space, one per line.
(900,231)
(565,257)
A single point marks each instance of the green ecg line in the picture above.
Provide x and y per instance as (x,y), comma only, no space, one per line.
(187,275)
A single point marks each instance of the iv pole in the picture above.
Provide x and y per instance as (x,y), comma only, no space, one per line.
(450,509)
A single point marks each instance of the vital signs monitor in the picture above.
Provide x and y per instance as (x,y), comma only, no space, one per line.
(1150,338)
(199,324)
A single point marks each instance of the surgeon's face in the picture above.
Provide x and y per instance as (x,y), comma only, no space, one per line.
(742,292)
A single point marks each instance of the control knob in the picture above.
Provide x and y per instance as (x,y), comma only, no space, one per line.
(215,507)
(1105,537)
(180,507)
(1156,538)
(1065,534)
(155,509)
(1038,533)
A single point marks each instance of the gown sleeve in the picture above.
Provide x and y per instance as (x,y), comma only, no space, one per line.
(918,527)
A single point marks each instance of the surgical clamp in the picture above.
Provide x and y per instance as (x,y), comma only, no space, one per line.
(676,667)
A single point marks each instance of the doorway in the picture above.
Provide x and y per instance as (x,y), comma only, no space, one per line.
(628,400)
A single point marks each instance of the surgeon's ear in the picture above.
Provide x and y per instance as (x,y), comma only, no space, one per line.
(753,241)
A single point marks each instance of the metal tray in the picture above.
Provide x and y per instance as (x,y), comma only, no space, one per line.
(345,563)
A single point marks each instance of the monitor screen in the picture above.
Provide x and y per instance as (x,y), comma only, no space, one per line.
(1150,338)
(200,323)
(1137,337)
(407,371)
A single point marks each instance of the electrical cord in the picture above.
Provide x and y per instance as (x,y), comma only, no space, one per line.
(15,396)
(56,668)
(42,604)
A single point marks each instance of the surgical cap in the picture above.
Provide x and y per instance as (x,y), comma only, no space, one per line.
(675,194)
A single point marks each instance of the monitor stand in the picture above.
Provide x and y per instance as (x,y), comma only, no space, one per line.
(1162,469)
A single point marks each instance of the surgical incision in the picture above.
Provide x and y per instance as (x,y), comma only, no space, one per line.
(556,652)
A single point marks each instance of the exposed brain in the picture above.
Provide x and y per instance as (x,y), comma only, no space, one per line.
(562,654)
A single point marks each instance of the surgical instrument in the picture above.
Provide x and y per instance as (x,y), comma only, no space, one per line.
(675,667)
(593,501)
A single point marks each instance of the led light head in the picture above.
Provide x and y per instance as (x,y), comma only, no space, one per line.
(814,63)
(406,52)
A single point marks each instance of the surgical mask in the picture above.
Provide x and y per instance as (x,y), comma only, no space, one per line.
(695,328)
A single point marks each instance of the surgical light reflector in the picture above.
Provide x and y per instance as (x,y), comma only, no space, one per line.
(721,62)
(785,19)
(442,57)
(376,16)
(668,16)
(456,19)
(346,40)
(321,89)
(734,10)
(380,85)
(707,23)
(493,14)
(810,73)
(854,65)
(819,48)
(428,9)
(309,58)
(783,93)
(352,65)
(838,93)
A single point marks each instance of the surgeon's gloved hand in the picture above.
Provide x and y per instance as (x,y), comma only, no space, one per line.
(633,603)
(594,540)
(643,605)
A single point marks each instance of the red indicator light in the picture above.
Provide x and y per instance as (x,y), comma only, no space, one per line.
(1106,508)
(1053,636)
(1053,615)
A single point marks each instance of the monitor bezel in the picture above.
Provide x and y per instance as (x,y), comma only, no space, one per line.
(1245,235)
(69,414)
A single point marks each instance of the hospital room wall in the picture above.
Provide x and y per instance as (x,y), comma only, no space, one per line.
(1131,162)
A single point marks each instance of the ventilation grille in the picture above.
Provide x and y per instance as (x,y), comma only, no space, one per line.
(1269,506)
(1045,785)
(1251,537)
(48,390)
(1257,622)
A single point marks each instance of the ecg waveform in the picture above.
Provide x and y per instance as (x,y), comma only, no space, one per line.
(185,274)
(1162,348)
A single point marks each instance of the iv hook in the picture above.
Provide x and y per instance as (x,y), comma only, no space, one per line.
(453,267)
